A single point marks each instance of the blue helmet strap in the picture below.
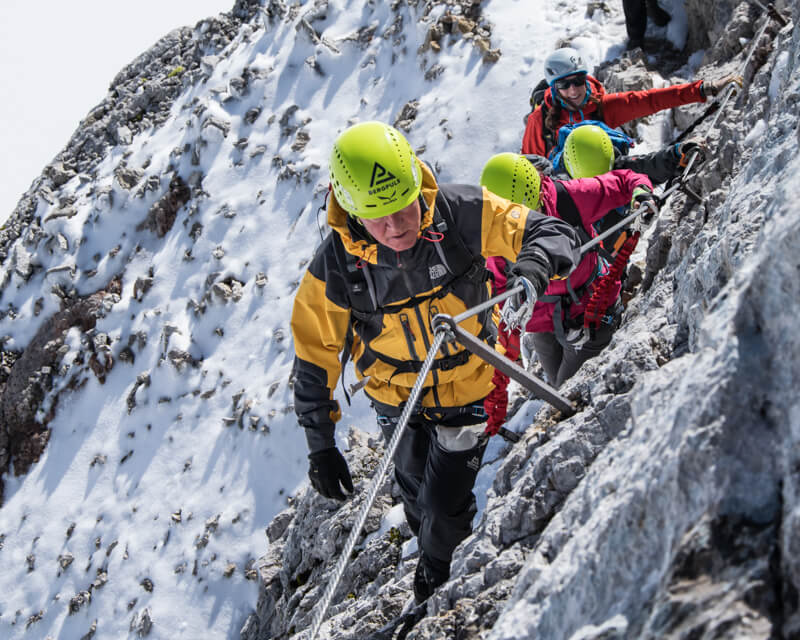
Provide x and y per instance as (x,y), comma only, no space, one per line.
(588,91)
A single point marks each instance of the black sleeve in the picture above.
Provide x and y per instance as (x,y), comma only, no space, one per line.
(550,247)
(659,166)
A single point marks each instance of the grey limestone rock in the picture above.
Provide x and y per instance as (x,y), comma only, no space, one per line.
(666,507)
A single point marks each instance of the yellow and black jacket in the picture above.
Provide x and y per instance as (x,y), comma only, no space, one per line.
(358,291)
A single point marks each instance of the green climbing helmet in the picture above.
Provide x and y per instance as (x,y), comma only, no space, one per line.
(513,177)
(588,152)
(374,171)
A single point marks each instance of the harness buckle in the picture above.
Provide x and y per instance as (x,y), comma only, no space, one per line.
(478,411)
(386,421)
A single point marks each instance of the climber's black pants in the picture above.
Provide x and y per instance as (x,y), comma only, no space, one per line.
(436,483)
(636,16)
(560,363)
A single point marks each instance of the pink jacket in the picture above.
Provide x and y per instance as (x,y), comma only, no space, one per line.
(594,198)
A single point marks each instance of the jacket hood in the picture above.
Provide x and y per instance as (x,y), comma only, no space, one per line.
(354,236)
(595,89)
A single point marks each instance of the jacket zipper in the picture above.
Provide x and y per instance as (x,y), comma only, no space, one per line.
(422,329)
(427,342)
(410,339)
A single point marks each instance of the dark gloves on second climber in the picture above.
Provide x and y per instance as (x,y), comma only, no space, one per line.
(685,150)
(327,471)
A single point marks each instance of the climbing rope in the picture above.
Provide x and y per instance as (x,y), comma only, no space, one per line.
(372,492)
(604,294)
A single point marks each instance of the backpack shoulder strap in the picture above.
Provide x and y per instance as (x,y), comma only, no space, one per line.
(566,207)
(358,291)
(358,297)
(460,261)
(548,135)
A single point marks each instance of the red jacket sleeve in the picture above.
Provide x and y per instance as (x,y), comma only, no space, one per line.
(533,139)
(497,266)
(619,108)
(595,197)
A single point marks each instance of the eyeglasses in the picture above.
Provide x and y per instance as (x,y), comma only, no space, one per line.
(570,81)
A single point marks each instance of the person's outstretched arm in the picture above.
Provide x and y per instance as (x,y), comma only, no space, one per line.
(619,108)
(595,197)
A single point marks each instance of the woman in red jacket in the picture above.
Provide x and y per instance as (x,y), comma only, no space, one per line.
(573,95)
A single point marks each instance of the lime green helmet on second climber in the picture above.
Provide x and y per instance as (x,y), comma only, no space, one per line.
(513,177)
(374,171)
(588,152)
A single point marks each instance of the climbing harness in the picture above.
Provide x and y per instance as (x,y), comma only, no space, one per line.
(445,328)
(596,310)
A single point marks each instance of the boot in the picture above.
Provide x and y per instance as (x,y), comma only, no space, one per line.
(429,575)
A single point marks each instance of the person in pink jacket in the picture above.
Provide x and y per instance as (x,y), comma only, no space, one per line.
(560,339)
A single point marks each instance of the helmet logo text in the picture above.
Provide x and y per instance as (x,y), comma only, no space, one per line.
(382,179)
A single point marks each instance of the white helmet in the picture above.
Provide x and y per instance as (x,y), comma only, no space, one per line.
(561,63)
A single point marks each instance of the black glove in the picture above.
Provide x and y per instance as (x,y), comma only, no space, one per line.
(710,88)
(684,150)
(535,268)
(643,197)
(326,470)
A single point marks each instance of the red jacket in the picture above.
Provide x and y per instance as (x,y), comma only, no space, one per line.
(618,108)
(593,198)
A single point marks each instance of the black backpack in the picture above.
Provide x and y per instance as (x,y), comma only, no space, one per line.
(537,95)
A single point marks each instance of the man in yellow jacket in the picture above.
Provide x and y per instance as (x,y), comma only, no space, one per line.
(403,249)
